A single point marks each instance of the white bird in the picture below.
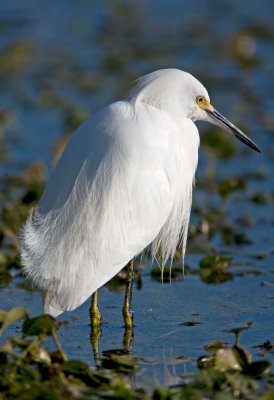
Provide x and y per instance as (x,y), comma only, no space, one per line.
(124,182)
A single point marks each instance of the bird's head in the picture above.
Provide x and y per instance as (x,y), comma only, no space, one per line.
(203,110)
(181,95)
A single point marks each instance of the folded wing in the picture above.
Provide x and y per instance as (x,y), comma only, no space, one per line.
(107,199)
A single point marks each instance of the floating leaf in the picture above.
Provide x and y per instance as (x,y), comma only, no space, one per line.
(73,117)
(14,215)
(5,276)
(267,345)
(15,58)
(215,261)
(218,143)
(122,363)
(258,368)
(80,370)
(231,237)
(42,325)
(241,238)
(230,185)
(262,198)
(214,269)
(190,323)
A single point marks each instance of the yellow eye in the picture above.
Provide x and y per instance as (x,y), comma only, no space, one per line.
(200,99)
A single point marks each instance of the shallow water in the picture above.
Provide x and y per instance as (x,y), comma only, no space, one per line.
(81,55)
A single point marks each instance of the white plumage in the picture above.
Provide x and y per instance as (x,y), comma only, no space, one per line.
(123,182)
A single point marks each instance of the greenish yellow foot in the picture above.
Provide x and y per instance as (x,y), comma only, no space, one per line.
(128,316)
(127,308)
(94,312)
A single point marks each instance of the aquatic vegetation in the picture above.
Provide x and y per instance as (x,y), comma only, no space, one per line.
(30,369)
(21,193)
(218,144)
(15,59)
(169,274)
(214,269)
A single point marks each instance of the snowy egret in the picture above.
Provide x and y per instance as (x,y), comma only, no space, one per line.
(124,182)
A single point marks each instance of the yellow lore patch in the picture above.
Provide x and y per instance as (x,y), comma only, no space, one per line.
(203,103)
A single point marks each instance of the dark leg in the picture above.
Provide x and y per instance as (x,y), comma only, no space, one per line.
(127,308)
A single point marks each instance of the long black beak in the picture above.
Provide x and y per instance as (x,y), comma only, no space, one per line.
(218,119)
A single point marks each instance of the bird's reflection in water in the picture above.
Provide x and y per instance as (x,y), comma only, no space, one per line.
(95,336)
(128,340)
(117,360)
